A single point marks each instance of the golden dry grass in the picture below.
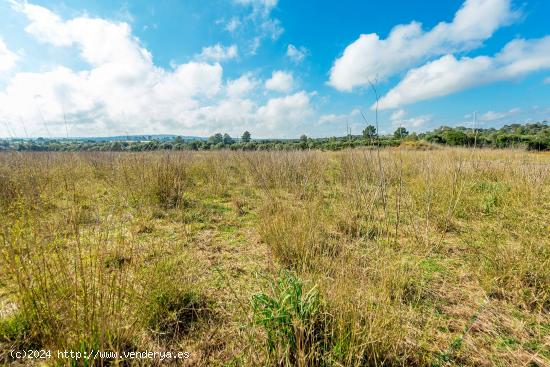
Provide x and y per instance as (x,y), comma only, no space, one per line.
(360,257)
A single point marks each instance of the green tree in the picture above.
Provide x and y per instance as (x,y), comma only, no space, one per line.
(369,132)
(195,145)
(216,139)
(400,133)
(455,137)
(246,137)
(303,138)
(228,140)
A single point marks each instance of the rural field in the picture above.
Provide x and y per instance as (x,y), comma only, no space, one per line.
(361,257)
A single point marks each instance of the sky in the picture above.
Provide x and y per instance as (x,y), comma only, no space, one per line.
(277,68)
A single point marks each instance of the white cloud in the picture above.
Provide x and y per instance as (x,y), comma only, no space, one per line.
(191,79)
(398,119)
(218,53)
(121,91)
(397,115)
(414,122)
(100,41)
(370,57)
(292,110)
(260,23)
(241,86)
(254,45)
(339,119)
(280,81)
(332,118)
(296,54)
(437,78)
(259,5)
(7,57)
(492,115)
(272,28)
(448,74)
(233,24)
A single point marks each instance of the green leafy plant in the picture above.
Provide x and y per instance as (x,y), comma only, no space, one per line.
(293,320)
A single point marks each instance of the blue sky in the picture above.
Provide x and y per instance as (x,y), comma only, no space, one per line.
(275,68)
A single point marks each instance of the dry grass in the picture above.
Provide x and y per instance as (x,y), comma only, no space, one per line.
(406,256)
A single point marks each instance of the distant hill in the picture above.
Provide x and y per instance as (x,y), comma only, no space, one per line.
(158,137)
(134,138)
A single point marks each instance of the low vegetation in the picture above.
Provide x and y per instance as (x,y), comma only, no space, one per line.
(531,136)
(412,255)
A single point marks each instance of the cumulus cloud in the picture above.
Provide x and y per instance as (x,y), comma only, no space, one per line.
(370,57)
(280,81)
(122,91)
(7,57)
(218,53)
(448,74)
(493,116)
(241,86)
(293,109)
(296,54)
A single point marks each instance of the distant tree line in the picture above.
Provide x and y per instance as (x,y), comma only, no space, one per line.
(531,136)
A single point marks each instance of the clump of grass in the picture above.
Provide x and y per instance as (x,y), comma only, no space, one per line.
(304,327)
(518,274)
(171,312)
(86,214)
(294,322)
(8,191)
(299,172)
(144,228)
(169,182)
(67,298)
(298,236)
(239,204)
(16,333)
(418,145)
(171,302)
